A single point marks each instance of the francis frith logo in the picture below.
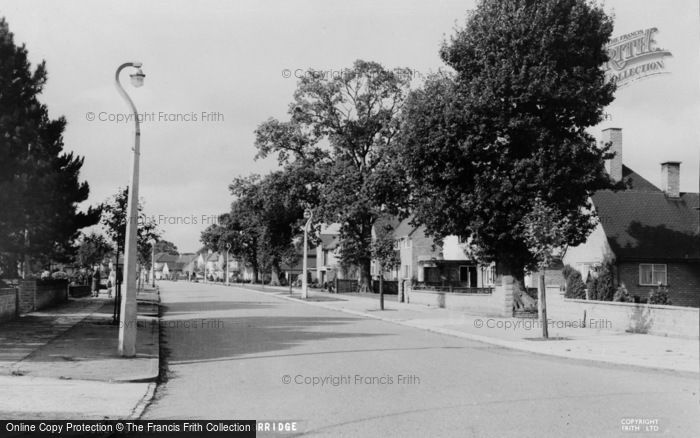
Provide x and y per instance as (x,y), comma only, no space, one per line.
(635,56)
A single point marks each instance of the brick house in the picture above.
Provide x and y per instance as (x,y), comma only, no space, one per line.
(650,232)
(423,261)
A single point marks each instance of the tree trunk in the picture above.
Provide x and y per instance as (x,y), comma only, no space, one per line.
(365,276)
(542,305)
(381,291)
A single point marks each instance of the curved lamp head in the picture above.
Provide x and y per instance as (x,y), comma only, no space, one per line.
(137,78)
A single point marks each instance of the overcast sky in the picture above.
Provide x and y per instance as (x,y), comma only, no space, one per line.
(231,58)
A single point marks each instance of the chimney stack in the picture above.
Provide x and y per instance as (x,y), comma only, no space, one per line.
(614,165)
(671,178)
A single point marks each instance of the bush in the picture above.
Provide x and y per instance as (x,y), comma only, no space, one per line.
(659,296)
(574,283)
(605,282)
(568,271)
(592,287)
(59,275)
(622,295)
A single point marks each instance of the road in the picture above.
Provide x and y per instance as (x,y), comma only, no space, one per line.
(233,353)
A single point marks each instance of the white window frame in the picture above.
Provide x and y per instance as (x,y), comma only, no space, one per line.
(654,268)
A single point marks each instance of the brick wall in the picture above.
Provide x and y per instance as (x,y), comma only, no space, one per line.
(79,291)
(683,282)
(36,295)
(27,296)
(8,304)
(498,303)
(625,317)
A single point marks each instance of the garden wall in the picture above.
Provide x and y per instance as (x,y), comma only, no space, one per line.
(626,317)
(9,308)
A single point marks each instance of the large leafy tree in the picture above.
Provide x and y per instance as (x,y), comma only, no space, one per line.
(342,128)
(265,219)
(277,202)
(39,182)
(237,232)
(479,144)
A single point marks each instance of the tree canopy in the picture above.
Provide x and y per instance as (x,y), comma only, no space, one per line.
(507,125)
(40,189)
(92,249)
(342,128)
(265,219)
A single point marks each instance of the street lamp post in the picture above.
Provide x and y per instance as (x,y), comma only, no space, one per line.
(228,248)
(127,327)
(308,214)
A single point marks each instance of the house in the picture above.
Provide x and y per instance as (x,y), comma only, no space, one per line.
(166,266)
(187,264)
(215,264)
(326,257)
(423,261)
(651,233)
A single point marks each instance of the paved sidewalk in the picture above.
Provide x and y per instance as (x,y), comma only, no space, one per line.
(64,361)
(596,344)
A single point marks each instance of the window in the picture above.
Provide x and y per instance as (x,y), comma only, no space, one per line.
(652,275)
(406,271)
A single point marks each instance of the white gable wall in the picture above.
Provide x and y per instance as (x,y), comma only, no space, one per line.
(590,253)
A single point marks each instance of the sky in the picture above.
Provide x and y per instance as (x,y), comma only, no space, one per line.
(216,69)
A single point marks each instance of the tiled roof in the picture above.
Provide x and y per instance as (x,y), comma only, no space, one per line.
(164,257)
(186,258)
(404,228)
(645,224)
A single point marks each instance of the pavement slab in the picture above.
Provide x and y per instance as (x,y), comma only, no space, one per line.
(42,398)
(63,362)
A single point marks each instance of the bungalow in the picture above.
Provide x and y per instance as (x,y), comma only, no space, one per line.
(650,233)
(166,266)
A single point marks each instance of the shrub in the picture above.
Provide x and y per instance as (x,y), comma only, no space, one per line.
(622,295)
(592,287)
(659,296)
(605,282)
(568,271)
(59,275)
(574,284)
